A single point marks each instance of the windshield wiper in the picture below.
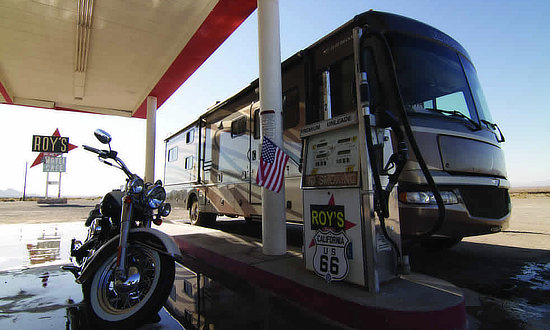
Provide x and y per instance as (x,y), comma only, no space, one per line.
(494,127)
(477,126)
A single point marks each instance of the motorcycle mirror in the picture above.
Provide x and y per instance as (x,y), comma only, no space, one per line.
(102,136)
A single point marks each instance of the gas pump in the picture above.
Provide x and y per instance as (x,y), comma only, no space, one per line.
(343,238)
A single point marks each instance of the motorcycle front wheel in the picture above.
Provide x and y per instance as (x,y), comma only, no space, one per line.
(136,300)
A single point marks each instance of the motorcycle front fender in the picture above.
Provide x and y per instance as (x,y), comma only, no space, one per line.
(153,238)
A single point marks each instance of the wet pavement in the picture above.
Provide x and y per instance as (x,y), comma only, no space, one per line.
(35,292)
(36,296)
(47,298)
(535,275)
(28,245)
(35,242)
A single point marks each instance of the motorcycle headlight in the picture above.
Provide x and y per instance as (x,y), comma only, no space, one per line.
(165,209)
(155,196)
(136,185)
(427,197)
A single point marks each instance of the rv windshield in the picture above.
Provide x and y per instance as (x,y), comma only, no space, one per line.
(436,81)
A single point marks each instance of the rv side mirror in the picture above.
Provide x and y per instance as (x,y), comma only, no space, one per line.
(102,136)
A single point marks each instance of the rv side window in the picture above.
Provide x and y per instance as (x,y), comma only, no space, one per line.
(173,154)
(189,136)
(257,124)
(335,91)
(208,146)
(291,108)
(189,162)
(238,126)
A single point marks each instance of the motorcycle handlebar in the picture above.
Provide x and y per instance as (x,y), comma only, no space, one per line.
(92,149)
(101,153)
(112,155)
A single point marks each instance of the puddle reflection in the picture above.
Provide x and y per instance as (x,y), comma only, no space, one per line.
(535,274)
(535,310)
(36,298)
(201,302)
(532,316)
(198,302)
(27,245)
(46,249)
(48,298)
(77,319)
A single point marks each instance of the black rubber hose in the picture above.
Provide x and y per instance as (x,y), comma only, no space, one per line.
(381,199)
(415,148)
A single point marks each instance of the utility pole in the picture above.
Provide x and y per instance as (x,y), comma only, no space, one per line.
(25,184)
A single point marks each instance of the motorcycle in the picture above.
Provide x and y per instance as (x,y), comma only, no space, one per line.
(125,267)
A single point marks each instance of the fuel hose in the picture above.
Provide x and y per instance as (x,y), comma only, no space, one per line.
(412,142)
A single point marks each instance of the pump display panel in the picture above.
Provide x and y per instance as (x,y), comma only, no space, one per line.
(332,159)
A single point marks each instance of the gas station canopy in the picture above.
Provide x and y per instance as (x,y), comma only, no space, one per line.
(107,57)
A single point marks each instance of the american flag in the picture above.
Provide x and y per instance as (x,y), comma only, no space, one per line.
(272,165)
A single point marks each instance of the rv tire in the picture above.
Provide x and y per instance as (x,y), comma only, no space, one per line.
(199,218)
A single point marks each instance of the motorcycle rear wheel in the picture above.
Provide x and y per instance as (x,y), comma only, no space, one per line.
(139,298)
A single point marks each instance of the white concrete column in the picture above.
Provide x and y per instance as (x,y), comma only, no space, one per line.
(150,138)
(273,204)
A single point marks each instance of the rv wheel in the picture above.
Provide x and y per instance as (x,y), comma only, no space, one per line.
(200,218)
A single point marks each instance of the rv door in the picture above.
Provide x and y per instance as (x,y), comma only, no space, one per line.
(255,191)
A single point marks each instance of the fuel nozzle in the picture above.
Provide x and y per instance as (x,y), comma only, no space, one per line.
(397,161)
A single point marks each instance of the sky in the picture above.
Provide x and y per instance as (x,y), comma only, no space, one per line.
(508,41)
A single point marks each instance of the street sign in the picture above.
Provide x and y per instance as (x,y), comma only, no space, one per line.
(50,144)
(54,164)
(41,143)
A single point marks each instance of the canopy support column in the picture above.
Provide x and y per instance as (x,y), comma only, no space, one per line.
(273,204)
(150,139)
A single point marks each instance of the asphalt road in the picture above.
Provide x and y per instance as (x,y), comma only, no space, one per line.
(506,276)
(508,273)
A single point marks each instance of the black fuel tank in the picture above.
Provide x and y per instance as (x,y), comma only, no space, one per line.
(111,205)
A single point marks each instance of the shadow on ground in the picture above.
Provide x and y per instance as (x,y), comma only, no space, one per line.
(511,286)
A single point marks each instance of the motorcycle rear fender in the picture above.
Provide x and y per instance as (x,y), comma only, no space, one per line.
(169,246)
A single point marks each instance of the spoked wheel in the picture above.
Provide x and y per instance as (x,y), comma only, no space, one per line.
(139,297)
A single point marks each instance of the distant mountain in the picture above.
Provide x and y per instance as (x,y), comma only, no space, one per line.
(10,193)
(543,183)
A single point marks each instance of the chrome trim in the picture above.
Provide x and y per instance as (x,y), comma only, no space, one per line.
(423,129)
(327,102)
(460,180)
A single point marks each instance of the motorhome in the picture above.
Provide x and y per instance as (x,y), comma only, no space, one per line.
(416,76)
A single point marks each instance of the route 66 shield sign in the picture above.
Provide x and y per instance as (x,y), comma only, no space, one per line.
(330,259)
